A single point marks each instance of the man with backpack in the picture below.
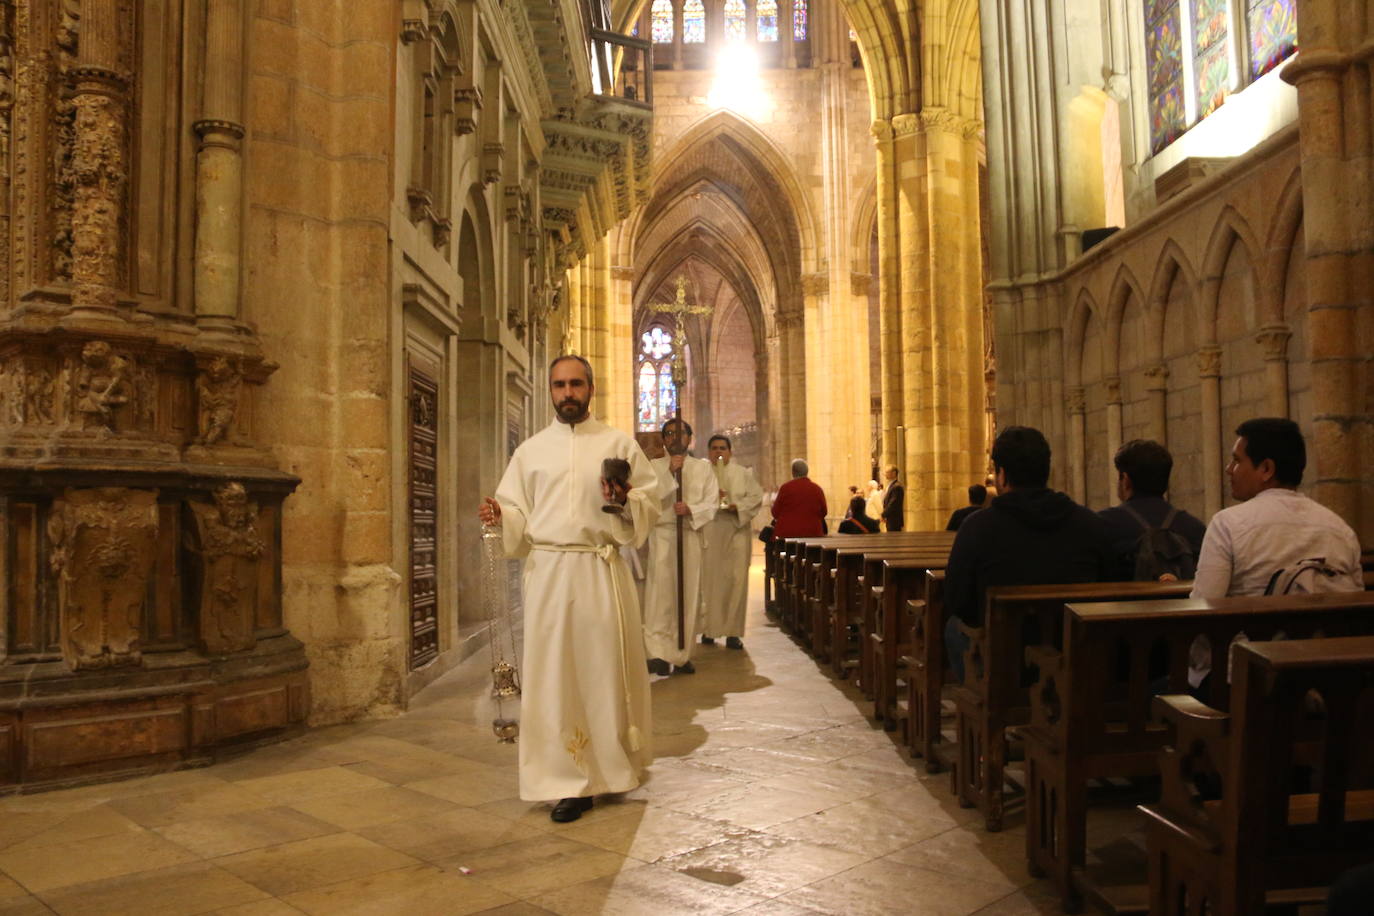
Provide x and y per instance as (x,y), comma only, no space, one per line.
(1153,540)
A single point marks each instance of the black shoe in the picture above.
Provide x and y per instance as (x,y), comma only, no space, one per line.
(659,666)
(708,640)
(570,809)
(733,642)
(685,668)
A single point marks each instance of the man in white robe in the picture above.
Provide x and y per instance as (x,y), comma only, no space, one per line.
(729,545)
(585,723)
(696,507)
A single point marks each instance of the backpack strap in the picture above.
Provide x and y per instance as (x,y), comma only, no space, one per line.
(1137,516)
(1168,522)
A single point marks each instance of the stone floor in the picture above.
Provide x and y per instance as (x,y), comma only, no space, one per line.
(771,794)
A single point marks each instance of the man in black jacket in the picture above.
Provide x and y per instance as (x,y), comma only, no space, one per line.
(1142,478)
(977,498)
(1030,535)
(894,502)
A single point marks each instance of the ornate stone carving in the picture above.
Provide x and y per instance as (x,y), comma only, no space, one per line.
(218,387)
(1209,362)
(11,394)
(1156,377)
(101,384)
(1076,399)
(102,547)
(881,130)
(942,120)
(39,389)
(1274,339)
(6,106)
(63,193)
(100,172)
(1113,386)
(229,547)
(493,155)
(904,125)
(413,30)
(467,102)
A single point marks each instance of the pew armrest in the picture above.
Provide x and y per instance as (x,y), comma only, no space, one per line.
(1193,767)
(975,658)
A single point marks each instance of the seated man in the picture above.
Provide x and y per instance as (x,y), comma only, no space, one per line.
(856,518)
(1152,539)
(977,499)
(1030,535)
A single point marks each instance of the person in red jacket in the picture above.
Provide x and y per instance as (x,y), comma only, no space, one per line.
(799,509)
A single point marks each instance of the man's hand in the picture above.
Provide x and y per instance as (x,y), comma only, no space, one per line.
(681,509)
(489,512)
(675,463)
(613,493)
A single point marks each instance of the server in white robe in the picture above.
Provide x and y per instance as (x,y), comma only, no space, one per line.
(729,544)
(696,507)
(585,721)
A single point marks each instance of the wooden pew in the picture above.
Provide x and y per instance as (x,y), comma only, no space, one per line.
(842,603)
(900,594)
(925,670)
(1091,708)
(1295,704)
(995,696)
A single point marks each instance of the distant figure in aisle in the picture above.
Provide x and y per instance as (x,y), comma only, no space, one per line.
(729,543)
(977,499)
(875,494)
(856,518)
(799,509)
(894,500)
(1152,540)
(696,507)
(583,662)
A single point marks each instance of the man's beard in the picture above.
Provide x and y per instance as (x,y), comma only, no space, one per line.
(571,410)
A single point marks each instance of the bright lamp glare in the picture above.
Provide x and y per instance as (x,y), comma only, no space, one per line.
(737,85)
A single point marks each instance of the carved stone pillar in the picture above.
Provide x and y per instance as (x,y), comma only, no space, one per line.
(1156,392)
(1274,339)
(219,168)
(1114,424)
(1209,375)
(1078,459)
(100,167)
(6,107)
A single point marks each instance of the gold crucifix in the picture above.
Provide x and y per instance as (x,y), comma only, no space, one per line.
(679,309)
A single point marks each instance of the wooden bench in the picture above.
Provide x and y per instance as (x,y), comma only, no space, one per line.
(845,603)
(995,694)
(823,563)
(900,595)
(1091,709)
(1300,710)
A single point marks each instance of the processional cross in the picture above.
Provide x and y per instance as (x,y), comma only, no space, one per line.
(679,309)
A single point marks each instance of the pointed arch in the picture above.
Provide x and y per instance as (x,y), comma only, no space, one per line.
(1171,263)
(865,219)
(1231,229)
(1084,310)
(888,41)
(1124,286)
(1283,234)
(960,87)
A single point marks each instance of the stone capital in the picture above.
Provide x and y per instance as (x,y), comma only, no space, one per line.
(815,284)
(1274,339)
(942,120)
(1156,377)
(1209,362)
(1113,386)
(881,130)
(904,125)
(1076,399)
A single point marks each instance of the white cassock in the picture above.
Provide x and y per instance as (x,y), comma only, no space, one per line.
(584,712)
(729,543)
(660,583)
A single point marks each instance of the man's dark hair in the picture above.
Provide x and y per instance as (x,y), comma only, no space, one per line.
(1024,455)
(1278,440)
(1148,464)
(676,422)
(591,376)
(725,439)
(976,494)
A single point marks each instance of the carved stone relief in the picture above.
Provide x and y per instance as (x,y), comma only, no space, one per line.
(102,547)
(230,548)
(102,383)
(218,387)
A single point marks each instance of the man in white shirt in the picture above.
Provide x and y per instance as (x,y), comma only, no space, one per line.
(1273,531)
(729,542)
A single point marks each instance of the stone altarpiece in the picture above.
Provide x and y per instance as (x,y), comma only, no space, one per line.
(140,536)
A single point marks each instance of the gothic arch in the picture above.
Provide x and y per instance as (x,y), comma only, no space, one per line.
(1283,234)
(1084,310)
(865,223)
(1231,229)
(955,79)
(887,39)
(476,261)
(1171,263)
(1124,286)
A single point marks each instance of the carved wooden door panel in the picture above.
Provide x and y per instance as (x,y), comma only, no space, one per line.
(424,514)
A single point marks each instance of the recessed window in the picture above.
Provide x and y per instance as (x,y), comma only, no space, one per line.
(657,397)
(694,22)
(662,21)
(767,14)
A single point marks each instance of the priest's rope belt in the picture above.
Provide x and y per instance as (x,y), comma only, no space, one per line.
(610,553)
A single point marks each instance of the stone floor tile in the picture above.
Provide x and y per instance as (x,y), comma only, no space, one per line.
(763,864)
(99,821)
(522,908)
(448,834)
(161,808)
(864,827)
(883,887)
(538,864)
(183,889)
(1026,902)
(974,853)
(422,763)
(352,810)
(269,907)
(24,906)
(293,787)
(653,833)
(756,807)
(473,786)
(45,868)
(232,833)
(9,889)
(646,889)
(306,864)
(419,890)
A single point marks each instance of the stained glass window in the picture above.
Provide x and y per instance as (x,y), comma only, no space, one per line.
(799,20)
(767,13)
(1164,57)
(694,22)
(734,20)
(1273,33)
(656,399)
(1211,54)
(661,16)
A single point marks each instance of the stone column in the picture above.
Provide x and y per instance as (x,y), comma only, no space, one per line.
(6,107)
(1156,391)
(623,347)
(99,161)
(1274,339)
(219,169)
(1076,401)
(1113,386)
(889,290)
(1209,376)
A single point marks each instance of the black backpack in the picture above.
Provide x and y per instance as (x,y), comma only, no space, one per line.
(1161,550)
